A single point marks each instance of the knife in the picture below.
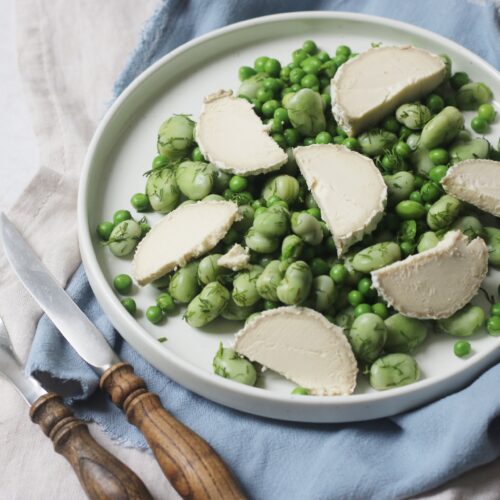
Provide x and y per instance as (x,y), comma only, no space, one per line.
(101,474)
(191,465)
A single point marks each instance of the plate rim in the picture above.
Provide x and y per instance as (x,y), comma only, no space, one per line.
(115,312)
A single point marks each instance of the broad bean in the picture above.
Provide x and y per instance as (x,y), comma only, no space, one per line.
(404,334)
(427,241)
(469,149)
(234,312)
(175,137)
(195,179)
(124,238)
(376,141)
(229,364)
(376,256)
(463,323)
(260,243)
(291,247)
(285,187)
(399,185)
(471,95)
(421,161)
(307,227)
(367,337)
(410,210)
(207,305)
(273,222)
(211,197)
(469,225)
(247,218)
(393,370)
(184,283)
(345,318)
(413,116)
(305,110)
(249,87)
(442,129)
(294,288)
(443,212)
(162,190)
(492,236)
(209,270)
(245,287)
(324,293)
(268,281)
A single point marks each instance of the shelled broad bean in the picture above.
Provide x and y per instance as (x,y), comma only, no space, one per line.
(292,252)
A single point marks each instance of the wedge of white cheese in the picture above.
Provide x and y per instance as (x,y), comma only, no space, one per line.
(370,86)
(348,188)
(303,346)
(233,138)
(236,258)
(438,282)
(184,234)
(476,182)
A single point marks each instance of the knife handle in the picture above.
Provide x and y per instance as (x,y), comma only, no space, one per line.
(101,475)
(191,465)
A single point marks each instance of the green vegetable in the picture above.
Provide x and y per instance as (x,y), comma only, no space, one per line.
(195,179)
(294,288)
(471,95)
(291,247)
(362,308)
(124,238)
(442,129)
(367,337)
(165,302)
(345,318)
(393,370)
(238,183)
(122,283)
(260,243)
(184,283)
(421,161)
(250,86)
(399,185)
(459,79)
(129,304)
(339,273)
(376,256)
(120,216)
(376,141)
(492,236)
(468,149)
(307,227)
(493,326)
(319,266)
(410,210)
(301,391)
(380,309)
(228,364)
(404,334)
(427,241)
(495,309)
(269,279)
(461,348)
(305,110)
(413,116)
(273,222)
(210,197)
(430,191)
(140,202)
(159,161)
(324,293)
(487,112)
(479,125)
(435,103)
(463,323)
(443,212)
(355,298)
(162,190)
(439,156)
(207,305)
(104,230)
(154,314)
(469,225)
(234,312)
(245,287)
(175,137)
(209,270)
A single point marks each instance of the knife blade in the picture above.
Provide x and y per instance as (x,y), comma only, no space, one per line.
(192,466)
(101,474)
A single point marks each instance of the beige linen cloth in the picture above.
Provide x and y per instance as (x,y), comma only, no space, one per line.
(69,54)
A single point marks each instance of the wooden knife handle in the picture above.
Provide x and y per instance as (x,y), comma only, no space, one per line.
(101,475)
(193,468)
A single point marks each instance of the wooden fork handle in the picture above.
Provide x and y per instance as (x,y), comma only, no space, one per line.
(101,474)
(193,468)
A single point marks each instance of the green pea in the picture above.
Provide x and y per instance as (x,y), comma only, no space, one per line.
(443,212)
(319,266)
(272,67)
(268,281)
(487,112)
(310,81)
(367,337)
(324,293)
(399,185)
(323,138)
(479,125)
(295,286)
(463,323)
(435,103)
(154,314)
(461,348)
(184,283)
(362,309)
(430,191)
(305,110)
(228,364)
(122,283)
(492,236)
(160,161)
(207,305)
(467,149)
(493,326)
(355,298)
(402,149)
(104,230)
(162,190)
(129,304)
(380,309)
(495,309)
(291,247)
(120,216)
(469,225)
(376,141)
(365,286)
(175,137)
(393,370)
(459,79)
(339,273)
(307,227)
(245,72)
(140,202)
(427,241)
(285,187)
(376,256)
(301,391)
(442,129)
(260,243)
(274,222)
(439,156)
(413,116)
(124,238)
(404,334)
(471,95)
(245,287)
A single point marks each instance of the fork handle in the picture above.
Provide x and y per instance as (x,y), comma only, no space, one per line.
(101,474)
(190,463)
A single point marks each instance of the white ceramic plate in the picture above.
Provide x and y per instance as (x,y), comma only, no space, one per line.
(122,150)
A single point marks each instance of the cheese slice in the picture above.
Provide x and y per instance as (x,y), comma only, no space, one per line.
(476,182)
(233,138)
(348,188)
(182,235)
(438,282)
(303,346)
(370,86)
(236,258)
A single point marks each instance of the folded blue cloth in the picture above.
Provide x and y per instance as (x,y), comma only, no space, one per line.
(388,458)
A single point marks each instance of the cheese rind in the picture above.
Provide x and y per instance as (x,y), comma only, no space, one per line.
(303,346)
(476,182)
(348,188)
(438,282)
(236,258)
(368,87)
(233,138)
(184,234)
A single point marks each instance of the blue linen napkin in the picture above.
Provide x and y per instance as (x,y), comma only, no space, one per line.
(387,458)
